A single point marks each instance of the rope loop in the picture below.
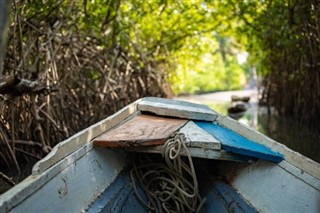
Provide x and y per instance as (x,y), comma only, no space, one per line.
(170,186)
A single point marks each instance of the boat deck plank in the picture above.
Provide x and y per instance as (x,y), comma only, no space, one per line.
(142,130)
(174,108)
(199,138)
(233,142)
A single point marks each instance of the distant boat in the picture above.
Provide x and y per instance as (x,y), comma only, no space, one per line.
(238,169)
(235,98)
(237,110)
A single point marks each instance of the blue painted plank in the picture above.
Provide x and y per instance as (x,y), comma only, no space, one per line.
(133,204)
(106,201)
(118,197)
(222,197)
(233,201)
(215,203)
(121,200)
(233,142)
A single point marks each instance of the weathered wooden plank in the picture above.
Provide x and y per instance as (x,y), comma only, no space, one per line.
(295,158)
(142,130)
(199,138)
(233,142)
(198,153)
(181,109)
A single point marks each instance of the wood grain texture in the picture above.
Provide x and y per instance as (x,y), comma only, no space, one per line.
(174,108)
(142,130)
(197,137)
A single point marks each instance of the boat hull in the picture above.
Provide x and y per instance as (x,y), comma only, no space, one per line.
(76,175)
(261,187)
(69,189)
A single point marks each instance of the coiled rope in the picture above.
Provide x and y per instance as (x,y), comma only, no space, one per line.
(171,186)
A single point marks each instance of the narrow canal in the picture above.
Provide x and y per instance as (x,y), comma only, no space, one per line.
(283,130)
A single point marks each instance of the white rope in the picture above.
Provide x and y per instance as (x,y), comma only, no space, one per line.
(171,186)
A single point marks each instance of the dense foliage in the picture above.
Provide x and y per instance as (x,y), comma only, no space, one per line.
(83,66)
(188,40)
(283,38)
(83,60)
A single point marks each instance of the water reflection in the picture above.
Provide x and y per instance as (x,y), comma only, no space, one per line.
(291,134)
(283,130)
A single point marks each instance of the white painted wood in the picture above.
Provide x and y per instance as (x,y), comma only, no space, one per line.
(199,137)
(34,182)
(75,142)
(68,186)
(303,176)
(294,158)
(270,188)
(217,155)
(180,109)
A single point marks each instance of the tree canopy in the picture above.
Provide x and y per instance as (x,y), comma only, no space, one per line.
(190,40)
(283,41)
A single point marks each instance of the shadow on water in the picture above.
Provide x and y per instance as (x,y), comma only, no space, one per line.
(291,134)
(283,130)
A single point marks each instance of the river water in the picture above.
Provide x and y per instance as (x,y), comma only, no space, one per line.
(283,130)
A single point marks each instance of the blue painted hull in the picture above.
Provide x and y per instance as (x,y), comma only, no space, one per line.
(119,197)
(220,197)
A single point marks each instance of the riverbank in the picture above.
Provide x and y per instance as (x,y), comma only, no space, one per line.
(221,97)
